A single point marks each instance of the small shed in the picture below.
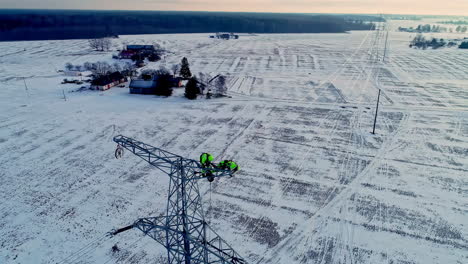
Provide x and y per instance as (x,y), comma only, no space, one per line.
(72,73)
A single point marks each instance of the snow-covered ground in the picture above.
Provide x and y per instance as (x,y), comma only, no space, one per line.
(315,185)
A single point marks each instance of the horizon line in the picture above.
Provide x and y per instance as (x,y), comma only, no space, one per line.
(248,12)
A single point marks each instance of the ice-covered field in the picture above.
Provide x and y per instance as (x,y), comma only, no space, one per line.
(315,185)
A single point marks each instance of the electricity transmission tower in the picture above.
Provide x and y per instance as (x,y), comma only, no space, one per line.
(183,230)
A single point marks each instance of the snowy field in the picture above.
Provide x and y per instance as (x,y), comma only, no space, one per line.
(315,185)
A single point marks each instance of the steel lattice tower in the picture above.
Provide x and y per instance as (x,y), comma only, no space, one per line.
(183,230)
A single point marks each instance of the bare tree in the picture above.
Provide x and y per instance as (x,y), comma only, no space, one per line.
(101,68)
(94,44)
(175,68)
(124,45)
(129,69)
(69,66)
(116,67)
(78,67)
(88,66)
(163,71)
(101,44)
(203,79)
(158,49)
(220,85)
(106,44)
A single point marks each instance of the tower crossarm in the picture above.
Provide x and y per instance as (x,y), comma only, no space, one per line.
(167,161)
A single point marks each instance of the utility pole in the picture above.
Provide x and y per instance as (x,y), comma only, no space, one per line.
(376,43)
(26,86)
(385,49)
(376,111)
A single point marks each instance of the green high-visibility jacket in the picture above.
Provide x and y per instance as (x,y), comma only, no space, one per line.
(205,158)
(229,164)
(233,166)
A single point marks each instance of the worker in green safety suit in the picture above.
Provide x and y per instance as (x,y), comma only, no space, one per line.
(228,165)
(206,163)
(206,160)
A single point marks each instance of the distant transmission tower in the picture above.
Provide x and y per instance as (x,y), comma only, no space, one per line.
(183,230)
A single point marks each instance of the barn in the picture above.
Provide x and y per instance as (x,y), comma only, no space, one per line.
(132,50)
(105,82)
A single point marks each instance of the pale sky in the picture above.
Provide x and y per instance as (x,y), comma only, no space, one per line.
(430,7)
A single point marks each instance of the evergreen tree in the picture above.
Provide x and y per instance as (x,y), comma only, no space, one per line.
(69,66)
(191,89)
(185,69)
(464,45)
(164,84)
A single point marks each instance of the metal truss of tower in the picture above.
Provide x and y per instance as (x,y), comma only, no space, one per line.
(183,230)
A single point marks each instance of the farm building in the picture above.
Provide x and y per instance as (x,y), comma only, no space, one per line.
(132,50)
(127,54)
(105,82)
(138,48)
(151,85)
(226,36)
(140,86)
(72,73)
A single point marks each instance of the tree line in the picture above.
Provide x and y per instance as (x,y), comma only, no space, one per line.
(454,22)
(420,42)
(433,29)
(73,24)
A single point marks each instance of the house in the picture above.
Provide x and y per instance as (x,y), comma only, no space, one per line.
(150,85)
(140,86)
(105,82)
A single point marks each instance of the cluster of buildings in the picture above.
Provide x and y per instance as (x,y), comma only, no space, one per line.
(149,85)
(145,84)
(221,35)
